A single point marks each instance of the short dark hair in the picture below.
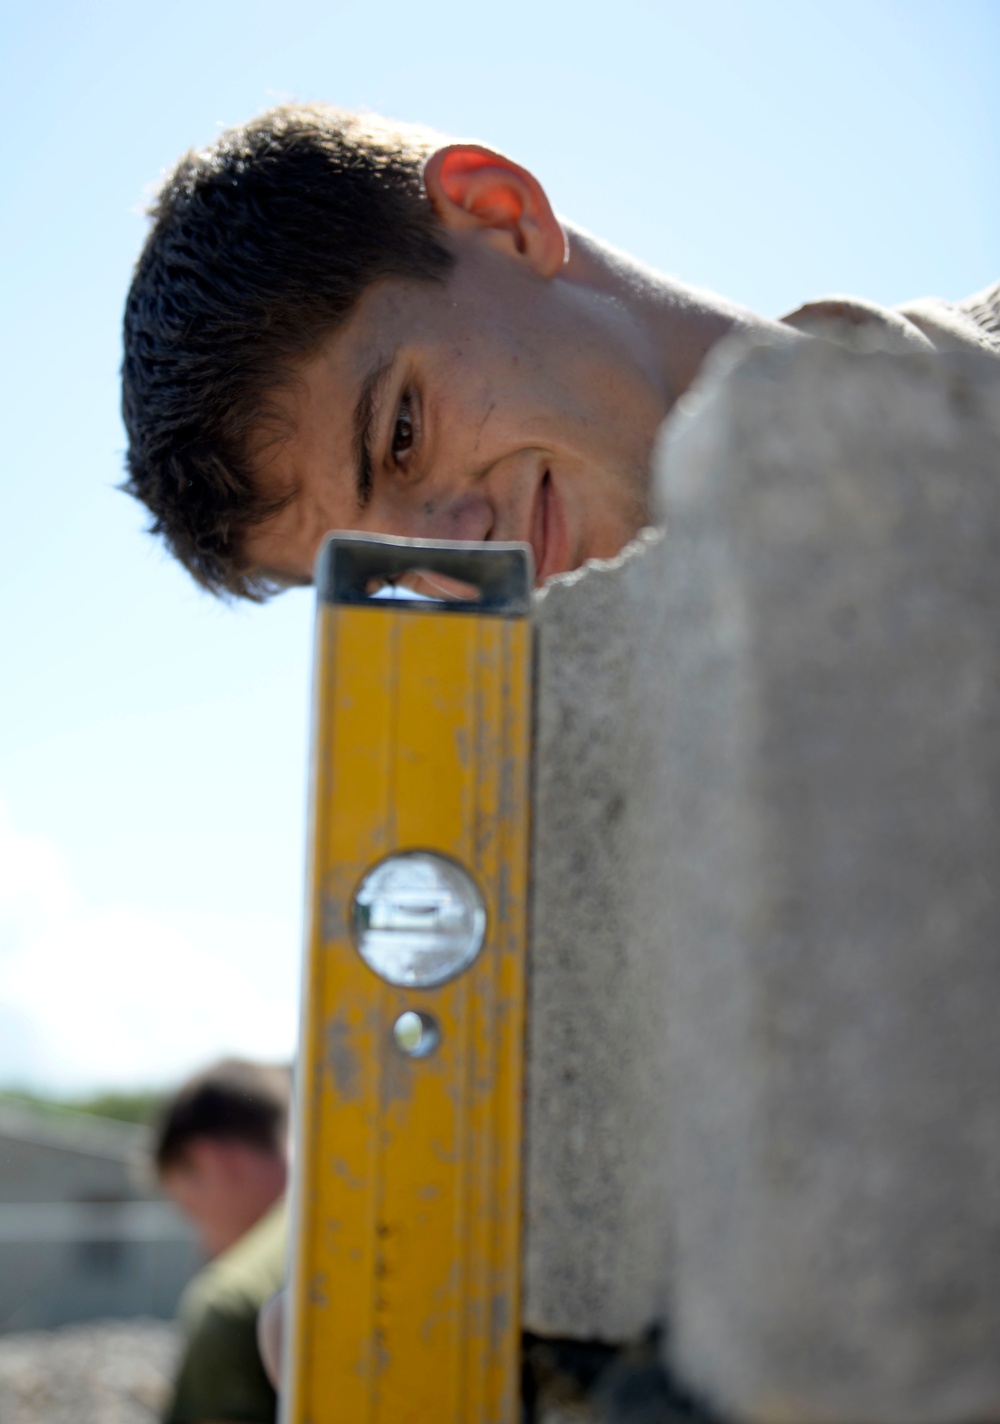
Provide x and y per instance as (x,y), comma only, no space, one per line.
(234,1100)
(260,247)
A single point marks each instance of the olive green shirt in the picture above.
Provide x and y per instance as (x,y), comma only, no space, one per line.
(221,1378)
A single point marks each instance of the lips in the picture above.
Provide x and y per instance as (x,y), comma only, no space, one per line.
(548,532)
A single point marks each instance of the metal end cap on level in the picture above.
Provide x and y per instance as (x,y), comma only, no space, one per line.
(499,577)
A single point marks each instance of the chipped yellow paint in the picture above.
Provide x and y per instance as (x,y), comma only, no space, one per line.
(405,1283)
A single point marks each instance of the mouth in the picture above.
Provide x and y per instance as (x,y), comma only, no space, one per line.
(548,532)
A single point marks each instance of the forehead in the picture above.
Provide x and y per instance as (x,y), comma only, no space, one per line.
(309,429)
(180,1179)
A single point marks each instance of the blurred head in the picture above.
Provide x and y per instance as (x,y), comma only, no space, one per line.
(220,1148)
(342,323)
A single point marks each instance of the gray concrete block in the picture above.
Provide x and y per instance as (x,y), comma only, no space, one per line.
(595,1251)
(829,659)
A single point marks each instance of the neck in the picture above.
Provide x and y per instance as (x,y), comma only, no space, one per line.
(682,323)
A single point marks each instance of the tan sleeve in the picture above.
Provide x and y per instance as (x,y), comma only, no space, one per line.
(846,319)
(955,325)
(929,324)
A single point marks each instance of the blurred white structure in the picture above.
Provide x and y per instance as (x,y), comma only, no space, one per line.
(81,1237)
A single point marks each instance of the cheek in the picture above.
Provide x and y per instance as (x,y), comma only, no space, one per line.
(605,406)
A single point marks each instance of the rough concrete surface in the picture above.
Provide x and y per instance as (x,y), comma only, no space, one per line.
(830,664)
(595,1254)
(106,1372)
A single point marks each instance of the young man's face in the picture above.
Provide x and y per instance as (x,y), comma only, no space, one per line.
(224,1188)
(497,405)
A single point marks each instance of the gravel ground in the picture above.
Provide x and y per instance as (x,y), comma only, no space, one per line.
(106,1372)
(119,1372)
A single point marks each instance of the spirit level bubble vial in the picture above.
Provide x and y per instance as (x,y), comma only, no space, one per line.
(406,1219)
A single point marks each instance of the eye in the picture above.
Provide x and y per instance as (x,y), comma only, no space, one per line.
(402,432)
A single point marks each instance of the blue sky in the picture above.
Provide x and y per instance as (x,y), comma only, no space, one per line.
(153,741)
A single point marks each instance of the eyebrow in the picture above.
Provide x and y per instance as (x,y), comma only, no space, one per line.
(364,412)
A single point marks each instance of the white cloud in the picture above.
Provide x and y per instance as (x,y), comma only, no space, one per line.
(111,995)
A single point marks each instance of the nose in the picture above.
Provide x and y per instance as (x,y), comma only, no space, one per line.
(465,516)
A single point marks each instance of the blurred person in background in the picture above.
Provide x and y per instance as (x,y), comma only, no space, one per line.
(220,1150)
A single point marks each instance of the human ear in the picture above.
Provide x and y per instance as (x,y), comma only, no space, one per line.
(474,189)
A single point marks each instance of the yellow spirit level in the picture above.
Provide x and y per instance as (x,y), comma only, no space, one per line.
(406,1260)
